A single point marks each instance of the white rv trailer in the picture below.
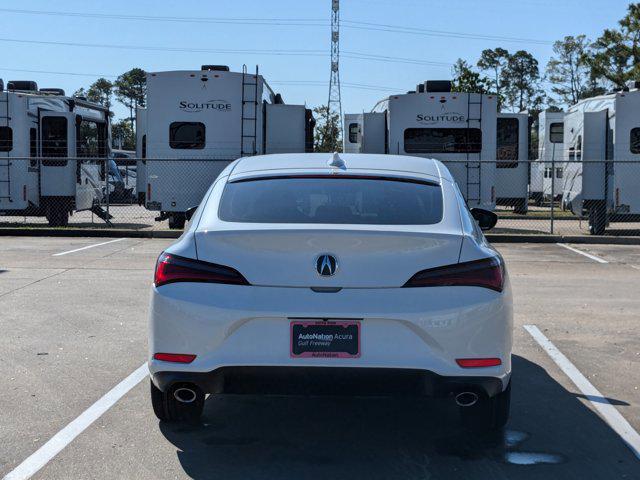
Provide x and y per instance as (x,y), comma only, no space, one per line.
(512,161)
(602,154)
(550,154)
(458,129)
(356,124)
(352,141)
(200,121)
(42,133)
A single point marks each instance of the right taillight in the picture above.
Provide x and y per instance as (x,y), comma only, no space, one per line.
(173,268)
(486,273)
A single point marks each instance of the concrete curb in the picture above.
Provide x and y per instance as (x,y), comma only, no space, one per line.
(593,239)
(114,233)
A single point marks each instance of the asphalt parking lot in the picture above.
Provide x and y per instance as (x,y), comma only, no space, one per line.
(73,323)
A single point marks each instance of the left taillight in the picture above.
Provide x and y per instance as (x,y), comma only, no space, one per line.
(486,273)
(173,268)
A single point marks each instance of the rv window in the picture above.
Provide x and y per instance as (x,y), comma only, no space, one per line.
(558,172)
(547,172)
(6,139)
(634,143)
(507,144)
(556,133)
(353,133)
(91,141)
(443,140)
(186,135)
(54,140)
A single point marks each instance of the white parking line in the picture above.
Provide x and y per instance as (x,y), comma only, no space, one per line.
(88,246)
(588,255)
(64,437)
(608,412)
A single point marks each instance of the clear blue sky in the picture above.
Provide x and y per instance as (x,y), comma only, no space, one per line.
(541,20)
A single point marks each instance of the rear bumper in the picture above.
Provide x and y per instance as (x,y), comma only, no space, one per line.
(420,330)
(329,381)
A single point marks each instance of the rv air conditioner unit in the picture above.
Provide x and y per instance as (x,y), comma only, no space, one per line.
(22,85)
(214,68)
(439,86)
(53,91)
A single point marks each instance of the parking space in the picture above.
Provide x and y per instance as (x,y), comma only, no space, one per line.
(74,326)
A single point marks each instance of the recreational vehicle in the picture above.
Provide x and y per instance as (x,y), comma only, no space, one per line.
(602,155)
(547,171)
(512,161)
(433,122)
(48,143)
(197,122)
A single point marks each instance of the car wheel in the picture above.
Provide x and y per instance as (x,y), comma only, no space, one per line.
(488,414)
(168,409)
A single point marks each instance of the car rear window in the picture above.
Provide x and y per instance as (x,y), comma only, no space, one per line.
(332,200)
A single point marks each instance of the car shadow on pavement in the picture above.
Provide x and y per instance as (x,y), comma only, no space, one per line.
(551,434)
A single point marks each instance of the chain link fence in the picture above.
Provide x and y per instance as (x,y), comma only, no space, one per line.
(562,198)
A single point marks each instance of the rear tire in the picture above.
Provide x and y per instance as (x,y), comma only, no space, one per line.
(177,221)
(488,414)
(168,409)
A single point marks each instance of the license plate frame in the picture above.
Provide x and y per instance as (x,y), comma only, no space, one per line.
(323,347)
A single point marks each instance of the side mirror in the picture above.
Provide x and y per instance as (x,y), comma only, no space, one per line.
(486,219)
(190,211)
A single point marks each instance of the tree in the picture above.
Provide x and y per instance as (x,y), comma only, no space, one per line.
(521,82)
(81,92)
(495,61)
(327,135)
(466,80)
(131,90)
(568,71)
(101,92)
(123,135)
(616,54)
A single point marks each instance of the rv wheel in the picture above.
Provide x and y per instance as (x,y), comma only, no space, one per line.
(57,216)
(521,207)
(597,220)
(176,221)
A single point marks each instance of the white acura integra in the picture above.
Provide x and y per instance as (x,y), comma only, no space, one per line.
(337,269)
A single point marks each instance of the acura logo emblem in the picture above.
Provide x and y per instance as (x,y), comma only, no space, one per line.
(326,265)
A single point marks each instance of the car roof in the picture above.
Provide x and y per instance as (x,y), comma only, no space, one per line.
(362,163)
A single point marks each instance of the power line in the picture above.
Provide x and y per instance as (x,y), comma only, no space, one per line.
(153,18)
(317,53)
(295,22)
(166,49)
(438,33)
(314,83)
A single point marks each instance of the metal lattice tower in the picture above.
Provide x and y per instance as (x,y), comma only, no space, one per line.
(335,101)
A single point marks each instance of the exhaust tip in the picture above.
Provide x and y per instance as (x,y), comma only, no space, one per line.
(466,399)
(185,395)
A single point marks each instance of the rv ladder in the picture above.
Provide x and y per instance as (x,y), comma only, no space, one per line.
(6,180)
(249,120)
(473,166)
